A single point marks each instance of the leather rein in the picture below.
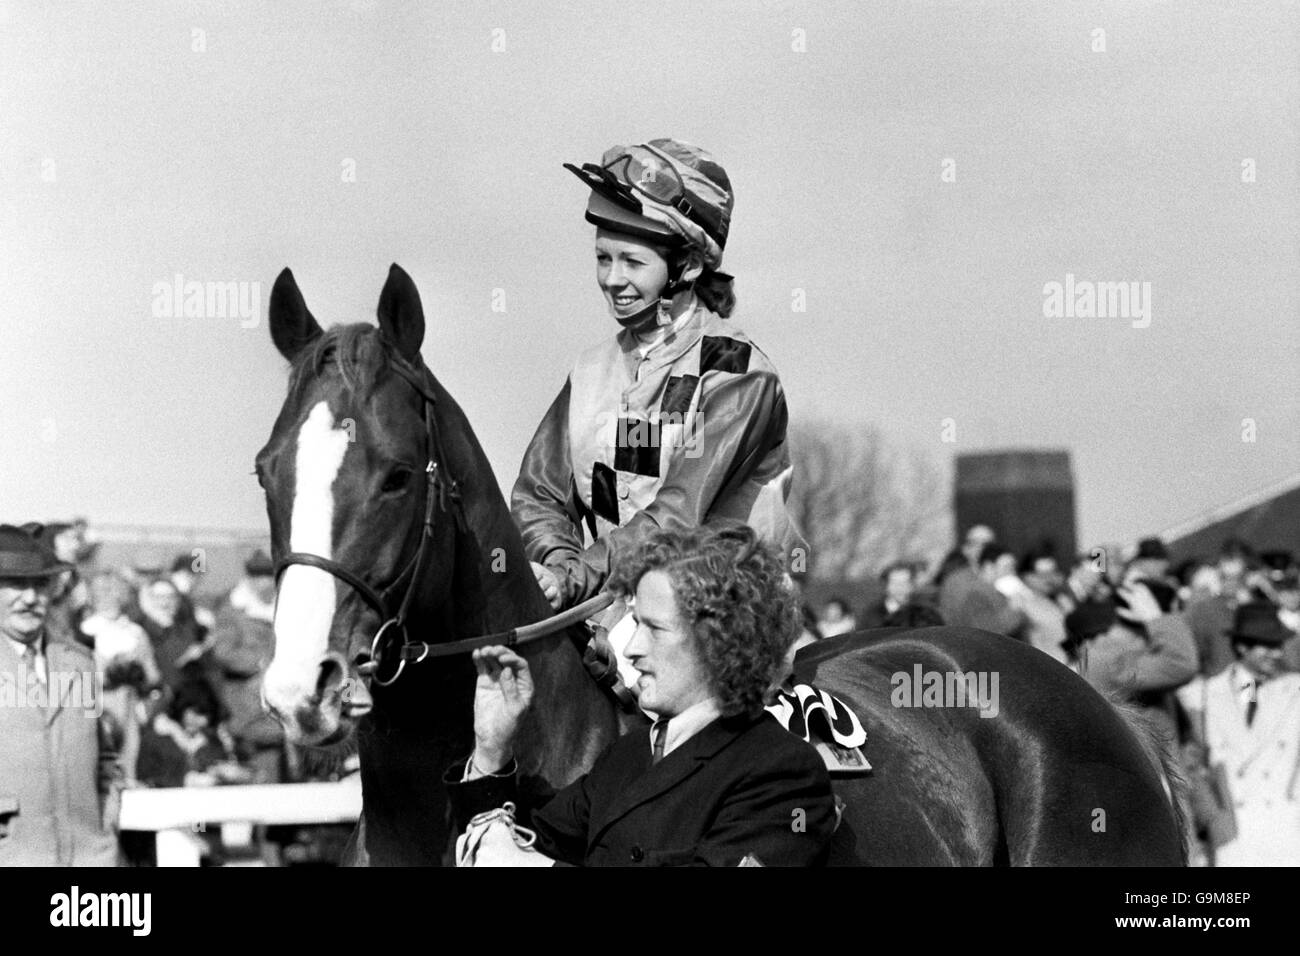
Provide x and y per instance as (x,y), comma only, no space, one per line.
(441,493)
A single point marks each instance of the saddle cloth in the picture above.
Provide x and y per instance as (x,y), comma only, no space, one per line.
(816,715)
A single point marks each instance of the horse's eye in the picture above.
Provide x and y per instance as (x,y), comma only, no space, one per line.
(397,480)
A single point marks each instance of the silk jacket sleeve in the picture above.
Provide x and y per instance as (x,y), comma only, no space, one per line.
(742,418)
(544,502)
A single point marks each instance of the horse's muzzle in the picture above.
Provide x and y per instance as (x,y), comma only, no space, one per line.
(316,705)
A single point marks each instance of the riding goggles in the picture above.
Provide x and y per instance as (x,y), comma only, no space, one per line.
(644,173)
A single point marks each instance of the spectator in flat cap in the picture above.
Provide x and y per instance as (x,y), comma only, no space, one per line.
(1248,716)
(57,760)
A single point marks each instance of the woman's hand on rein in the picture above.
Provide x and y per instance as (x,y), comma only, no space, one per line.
(502,694)
(548,582)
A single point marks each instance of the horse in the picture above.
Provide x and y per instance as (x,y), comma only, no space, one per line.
(392,540)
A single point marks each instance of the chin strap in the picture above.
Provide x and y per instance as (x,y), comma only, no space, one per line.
(665,303)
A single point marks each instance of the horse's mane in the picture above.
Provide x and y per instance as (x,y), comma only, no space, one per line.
(1157,751)
(357,350)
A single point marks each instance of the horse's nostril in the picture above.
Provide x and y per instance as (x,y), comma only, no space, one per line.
(333,674)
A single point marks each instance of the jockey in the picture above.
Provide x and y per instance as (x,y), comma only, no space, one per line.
(678,418)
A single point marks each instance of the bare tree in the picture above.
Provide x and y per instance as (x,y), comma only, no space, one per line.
(863,500)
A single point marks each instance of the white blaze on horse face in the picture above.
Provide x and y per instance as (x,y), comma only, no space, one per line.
(305,604)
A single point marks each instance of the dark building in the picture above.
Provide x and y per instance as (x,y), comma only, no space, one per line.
(1268,520)
(1026,497)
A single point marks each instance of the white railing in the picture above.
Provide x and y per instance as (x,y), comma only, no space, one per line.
(177,814)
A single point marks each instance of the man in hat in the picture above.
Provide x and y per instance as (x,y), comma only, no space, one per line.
(1150,561)
(1130,648)
(1211,617)
(69,594)
(243,645)
(57,764)
(1248,716)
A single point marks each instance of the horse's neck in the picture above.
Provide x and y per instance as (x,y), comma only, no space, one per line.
(495,590)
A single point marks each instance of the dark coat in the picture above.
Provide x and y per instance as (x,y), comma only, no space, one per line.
(739,786)
(170,643)
(164,764)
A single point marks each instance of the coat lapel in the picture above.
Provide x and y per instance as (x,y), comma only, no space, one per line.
(66,675)
(16,665)
(640,782)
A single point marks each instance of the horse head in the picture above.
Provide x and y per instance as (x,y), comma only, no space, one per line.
(360,500)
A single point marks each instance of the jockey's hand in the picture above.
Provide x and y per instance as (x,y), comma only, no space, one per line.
(501,696)
(548,582)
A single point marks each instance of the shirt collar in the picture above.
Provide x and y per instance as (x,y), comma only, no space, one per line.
(1244,682)
(20,648)
(687,724)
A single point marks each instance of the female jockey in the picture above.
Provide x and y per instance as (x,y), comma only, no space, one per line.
(678,418)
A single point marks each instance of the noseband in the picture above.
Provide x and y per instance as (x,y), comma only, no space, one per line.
(442,492)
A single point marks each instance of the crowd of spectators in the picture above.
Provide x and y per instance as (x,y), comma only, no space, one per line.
(1208,651)
(181,671)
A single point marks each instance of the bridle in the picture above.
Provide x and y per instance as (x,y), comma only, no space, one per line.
(441,493)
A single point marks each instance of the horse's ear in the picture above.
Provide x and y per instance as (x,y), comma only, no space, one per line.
(293,327)
(401,317)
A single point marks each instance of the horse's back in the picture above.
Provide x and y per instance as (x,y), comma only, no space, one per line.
(985,750)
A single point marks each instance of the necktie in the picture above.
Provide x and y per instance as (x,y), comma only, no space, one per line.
(1252,700)
(29,661)
(661,737)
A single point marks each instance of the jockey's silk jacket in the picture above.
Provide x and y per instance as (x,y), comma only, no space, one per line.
(692,431)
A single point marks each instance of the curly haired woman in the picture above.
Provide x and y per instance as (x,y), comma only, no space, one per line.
(716,781)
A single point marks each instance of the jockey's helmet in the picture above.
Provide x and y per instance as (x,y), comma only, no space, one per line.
(664,191)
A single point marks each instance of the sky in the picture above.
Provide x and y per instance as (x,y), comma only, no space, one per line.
(914,174)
